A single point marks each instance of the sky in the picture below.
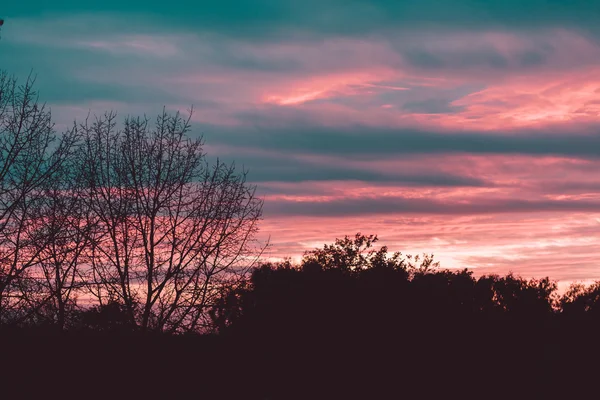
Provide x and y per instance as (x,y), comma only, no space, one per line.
(464,128)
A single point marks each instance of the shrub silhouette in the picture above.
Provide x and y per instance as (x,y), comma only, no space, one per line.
(112,317)
(368,285)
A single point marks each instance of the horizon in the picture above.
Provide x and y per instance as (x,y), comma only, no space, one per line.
(466,131)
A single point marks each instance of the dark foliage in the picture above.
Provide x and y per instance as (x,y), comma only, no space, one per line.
(389,327)
(371,291)
(378,327)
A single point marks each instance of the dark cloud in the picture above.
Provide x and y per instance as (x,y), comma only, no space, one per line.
(426,206)
(234,57)
(432,106)
(485,57)
(532,58)
(571,187)
(282,171)
(286,169)
(299,136)
(455,59)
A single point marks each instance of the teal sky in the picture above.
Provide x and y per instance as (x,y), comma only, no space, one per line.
(464,128)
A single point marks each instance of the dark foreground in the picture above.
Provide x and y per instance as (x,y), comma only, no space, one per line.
(509,360)
(340,326)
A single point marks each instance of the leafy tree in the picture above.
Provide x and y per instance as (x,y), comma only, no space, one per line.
(579,301)
(111,317)
(358,253)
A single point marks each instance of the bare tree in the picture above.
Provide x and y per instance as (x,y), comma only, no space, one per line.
(66,226)
(31,158)
(172,230)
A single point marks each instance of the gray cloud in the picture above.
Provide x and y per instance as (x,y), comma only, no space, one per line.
(267,168)
(486,57)
(410,206)
(297,135)
(432,106)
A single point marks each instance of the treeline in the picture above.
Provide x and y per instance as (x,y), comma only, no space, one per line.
(350,285)
(354,321)
(106,214)
(350,321)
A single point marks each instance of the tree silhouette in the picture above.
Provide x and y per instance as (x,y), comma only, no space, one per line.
(112,317)
(105,215)
(171,230)
(32,158)
(66,225)
(350,280)
(581,301)
(355,254)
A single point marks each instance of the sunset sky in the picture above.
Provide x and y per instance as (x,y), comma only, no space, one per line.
(463,128)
